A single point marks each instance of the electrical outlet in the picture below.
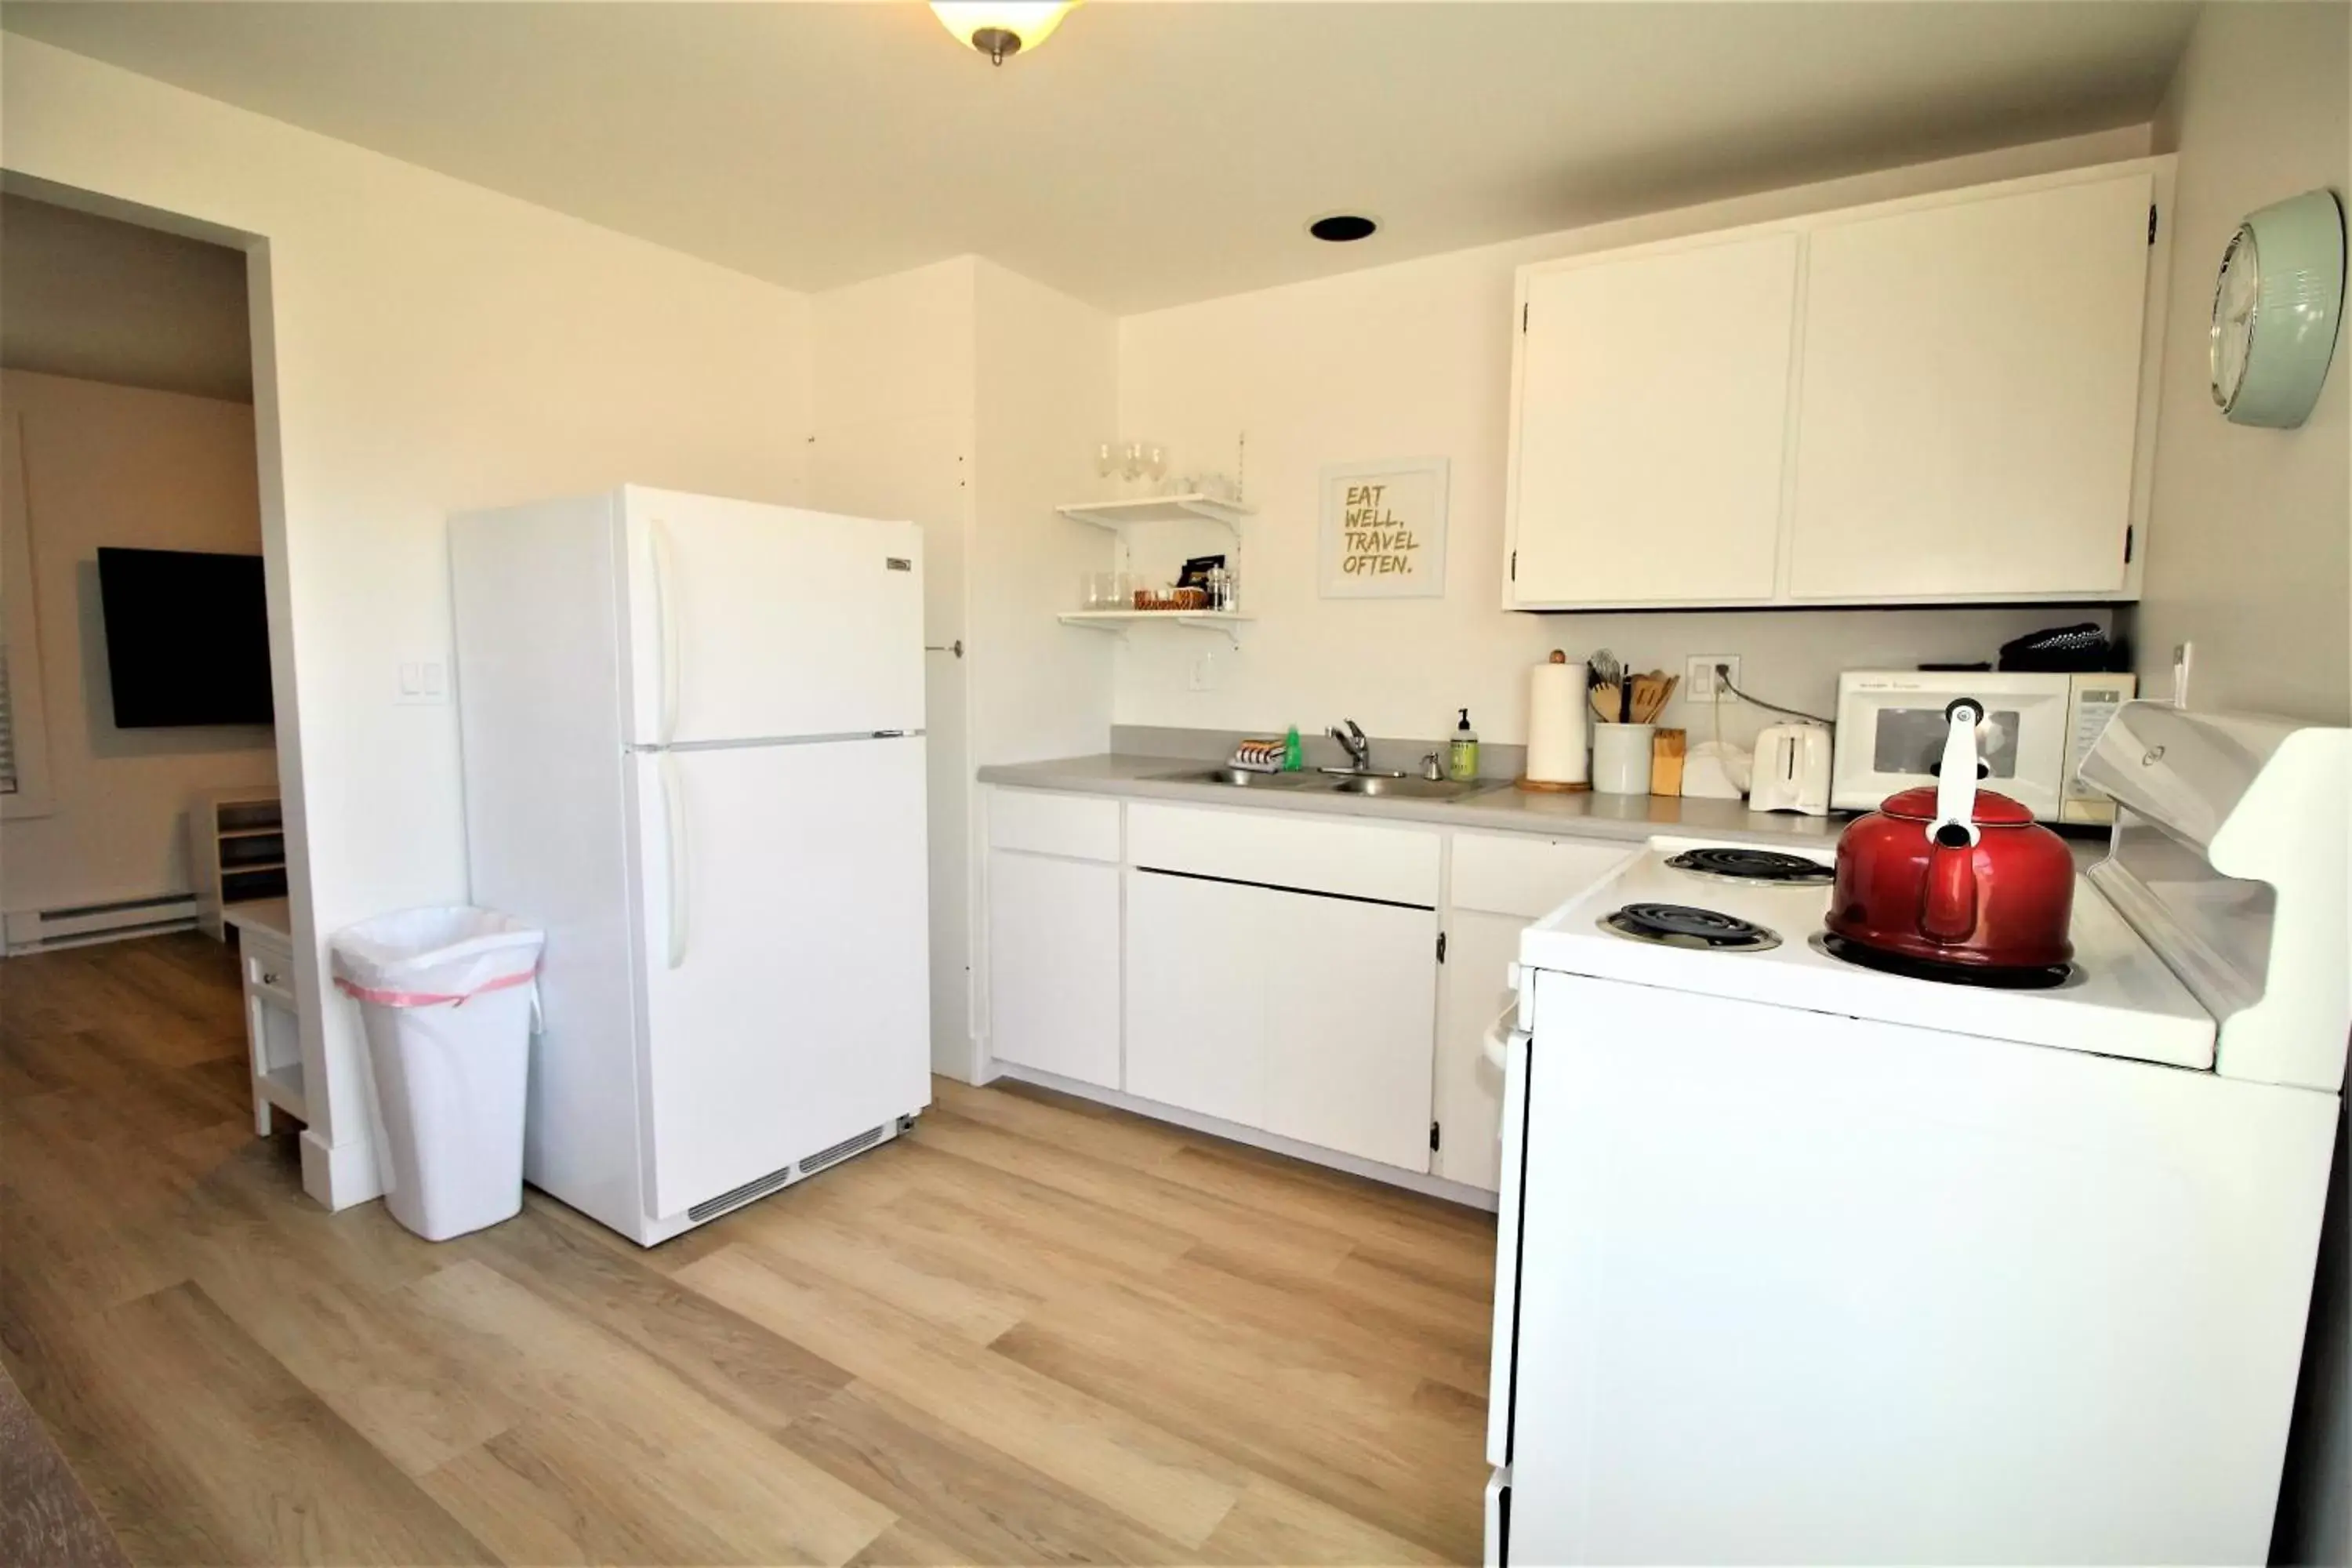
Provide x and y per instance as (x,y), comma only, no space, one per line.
(1698,677)
(1203,672)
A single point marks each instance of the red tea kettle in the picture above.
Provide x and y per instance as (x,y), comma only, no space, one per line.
(1956,875)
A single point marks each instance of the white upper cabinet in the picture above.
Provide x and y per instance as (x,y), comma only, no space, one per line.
(1943,399)
(1654,410)
(1971,397)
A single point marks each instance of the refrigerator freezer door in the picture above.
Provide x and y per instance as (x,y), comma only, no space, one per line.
(783,937)
(750,622)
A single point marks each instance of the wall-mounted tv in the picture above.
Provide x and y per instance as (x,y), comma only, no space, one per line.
(187,637)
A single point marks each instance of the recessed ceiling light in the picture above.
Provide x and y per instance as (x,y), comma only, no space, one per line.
(1339,228)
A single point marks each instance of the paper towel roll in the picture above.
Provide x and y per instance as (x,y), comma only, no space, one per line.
(1557,716)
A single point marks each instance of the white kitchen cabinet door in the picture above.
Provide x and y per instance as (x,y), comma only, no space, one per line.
(1499,885)
(1053,966)
(1971,397)
(1196,969)
(1350,1010)
(1650,423)
(1467,1090)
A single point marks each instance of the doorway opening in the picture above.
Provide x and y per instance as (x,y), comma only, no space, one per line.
(138,766)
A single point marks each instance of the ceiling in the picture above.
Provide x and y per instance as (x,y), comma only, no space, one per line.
(90,298)
(1149,154)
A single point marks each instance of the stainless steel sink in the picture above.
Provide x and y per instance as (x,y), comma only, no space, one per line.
(1403,788)
(1329,781)
(1240,778)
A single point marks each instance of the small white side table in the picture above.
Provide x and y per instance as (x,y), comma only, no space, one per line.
(273,1028)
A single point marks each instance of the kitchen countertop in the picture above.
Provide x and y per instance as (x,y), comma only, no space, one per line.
(1496,807)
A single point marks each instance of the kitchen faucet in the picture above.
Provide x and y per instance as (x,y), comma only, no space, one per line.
(1359,750)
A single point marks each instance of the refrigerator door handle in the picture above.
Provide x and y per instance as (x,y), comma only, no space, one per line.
(674,831)
(666,613)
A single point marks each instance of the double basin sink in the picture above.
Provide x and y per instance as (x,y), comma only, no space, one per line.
(1401,786)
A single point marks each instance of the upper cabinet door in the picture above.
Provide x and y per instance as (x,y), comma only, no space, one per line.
(764,622)
(1970,398)
(1652,420)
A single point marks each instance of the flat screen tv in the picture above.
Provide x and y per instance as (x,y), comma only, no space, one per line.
(187,638)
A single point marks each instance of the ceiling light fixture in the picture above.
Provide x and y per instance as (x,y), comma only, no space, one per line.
(1001,27)
(1340,228)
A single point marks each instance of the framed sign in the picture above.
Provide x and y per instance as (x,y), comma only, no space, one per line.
(1384,529)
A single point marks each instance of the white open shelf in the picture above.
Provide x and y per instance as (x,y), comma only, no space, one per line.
(1157,509)
(1225,621)
(282,1087)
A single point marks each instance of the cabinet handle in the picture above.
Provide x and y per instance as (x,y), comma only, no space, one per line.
(269,979)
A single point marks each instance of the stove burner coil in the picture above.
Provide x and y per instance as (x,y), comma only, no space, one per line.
(1680,925)
(1734,864)
(2038,977)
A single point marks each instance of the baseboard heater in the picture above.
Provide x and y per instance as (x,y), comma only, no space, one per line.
(39,930)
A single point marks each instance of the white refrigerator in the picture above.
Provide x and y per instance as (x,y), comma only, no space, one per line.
(693,744)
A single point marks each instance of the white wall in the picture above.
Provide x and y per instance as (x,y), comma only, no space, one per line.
(423,346)
(893,435)
(968,398)
(157,470)
(2253,559)
(1048,375)
(1414,361)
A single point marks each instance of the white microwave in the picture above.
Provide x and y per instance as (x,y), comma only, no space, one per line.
(2038,728)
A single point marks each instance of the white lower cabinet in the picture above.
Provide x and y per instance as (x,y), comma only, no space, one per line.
(1351,999)
(1501,884)
(1480,949)
(1053,965)
(1196,979)
(1277,971)
(1303,1015)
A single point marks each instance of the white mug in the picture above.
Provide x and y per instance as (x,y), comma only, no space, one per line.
(1621,758)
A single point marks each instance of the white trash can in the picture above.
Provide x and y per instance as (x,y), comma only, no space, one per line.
(447,997)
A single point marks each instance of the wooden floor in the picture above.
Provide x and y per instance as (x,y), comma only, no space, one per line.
(1032,1331)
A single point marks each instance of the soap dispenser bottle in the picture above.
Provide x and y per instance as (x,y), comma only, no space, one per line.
(1461,756)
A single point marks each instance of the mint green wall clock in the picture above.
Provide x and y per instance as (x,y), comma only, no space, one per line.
(2275,307)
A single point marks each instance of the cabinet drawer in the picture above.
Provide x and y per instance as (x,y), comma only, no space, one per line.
(1316,855)
(1530,876)
(280,996)
(1081,826)
(269,966)
(261,952)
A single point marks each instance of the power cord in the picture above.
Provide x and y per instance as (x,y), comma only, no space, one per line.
(1723,683)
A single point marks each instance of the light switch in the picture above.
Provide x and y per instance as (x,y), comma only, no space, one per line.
(422,680)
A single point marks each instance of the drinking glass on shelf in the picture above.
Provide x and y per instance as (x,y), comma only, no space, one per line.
(1106,457)
(1102,590)
(1131,460)
(1155,460)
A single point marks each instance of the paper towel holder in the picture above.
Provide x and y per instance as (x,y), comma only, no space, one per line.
(1546,786)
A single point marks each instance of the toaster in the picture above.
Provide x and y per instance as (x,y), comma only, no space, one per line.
(1792,770)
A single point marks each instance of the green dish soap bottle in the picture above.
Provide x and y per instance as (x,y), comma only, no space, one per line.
(1461,756)
(1294,755)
